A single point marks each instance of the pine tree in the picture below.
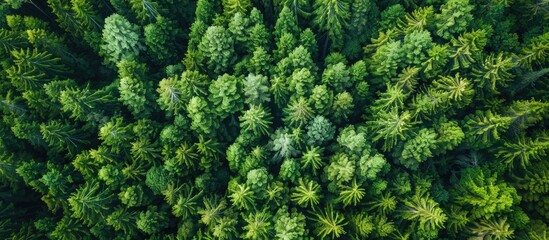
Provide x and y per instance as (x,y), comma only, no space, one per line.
(523,151)
(90,203)
(257,120)
(534,182)
(70,228)
(122,40)
(329,223)
(84,104)
(495,71)
(201,117)
(135,89)
(231,7)
(465,49)
(258,225)
(419,148)
(285,23)
(65,17)
(160,38)
(152,221)
(494,229)
(123,220)
(392,127)
(289,225)
(225,95)
(454,18)
(485,127)
(218,47)
(10,40)
(418,20)
(145,10)
(88,18)
(61,136)
(306,193)
(242,197)
(351,195)
(482,193)
(32,69)
(298,112)
(256,89)
(425,211)
(535,53)
(332,17)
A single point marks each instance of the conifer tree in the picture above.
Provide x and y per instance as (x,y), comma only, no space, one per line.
(332,17)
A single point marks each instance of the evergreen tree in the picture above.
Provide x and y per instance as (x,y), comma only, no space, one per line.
(122,40)
(332,17)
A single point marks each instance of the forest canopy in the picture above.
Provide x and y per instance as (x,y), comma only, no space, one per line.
(274,119)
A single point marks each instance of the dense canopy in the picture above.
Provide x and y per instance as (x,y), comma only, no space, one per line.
(274,119)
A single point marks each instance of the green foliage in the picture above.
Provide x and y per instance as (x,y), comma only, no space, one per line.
(415,45)
(289,225)
(282,119)
(123,220)
(361,224)
(425,211)
(354,141)
(362,25)
(298,112)
(485,127)
(332,16)
(201,117)
(242,196)
(135,89)
(466,48)
(285,23)
(392,127)
(494,229)
(259,63)
(61,136)
(351,195)
(84,104)
(258,225)
(134,196)
(418,149)
(257,120)
(231,7)
(341,169)
(32,69)
(454,18)
(122,40)
(483,193)
(90,203)
(70,228)
(256,89)
(157,179)
(319,131)
(329,223)
(418,20)
(187,202)
(523,151)
(312,159)
(306,193)
(225,95)
(160,38)
(111,175)
(218,48)
(386,59)
(322,99)
(495,71)
(370,166)
(289,170)
(152,220)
